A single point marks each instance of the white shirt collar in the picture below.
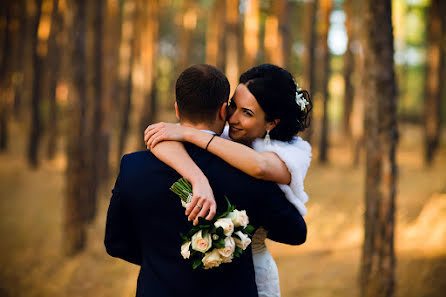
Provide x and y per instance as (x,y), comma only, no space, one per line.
(209,131)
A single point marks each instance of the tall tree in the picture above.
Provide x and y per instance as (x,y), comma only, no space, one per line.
(277,34)
(76,202)
(435,77)
(111,83)
(309,65)
(16,12)
(5,72)
(231,42)
(22,56)
(356,120)
(325,11)
(127,57)
(378,256)
(189,19)
(348,69)
(149,42)
(53,64)
(215,46)
(38,59)
(251,33)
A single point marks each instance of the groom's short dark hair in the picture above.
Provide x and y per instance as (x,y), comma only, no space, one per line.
(200,91)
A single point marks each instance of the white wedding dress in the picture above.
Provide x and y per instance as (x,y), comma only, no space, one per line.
(296,154)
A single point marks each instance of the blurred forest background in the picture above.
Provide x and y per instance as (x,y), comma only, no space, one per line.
(80,80)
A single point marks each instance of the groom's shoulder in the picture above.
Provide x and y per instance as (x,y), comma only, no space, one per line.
(140,159)
(135,158)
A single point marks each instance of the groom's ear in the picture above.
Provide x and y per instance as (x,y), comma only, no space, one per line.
(176,111)
(222,111)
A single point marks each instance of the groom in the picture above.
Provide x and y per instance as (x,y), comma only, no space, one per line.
(144,218)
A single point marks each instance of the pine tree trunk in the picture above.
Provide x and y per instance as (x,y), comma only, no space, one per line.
(111,83)
(36,126)
(357,114)
(348,70)
(5,74)
(53,64)
(185,36)
(434,81)
(150,44)
(16,9)
(325,9)
(282,10)
(309,64)
(77,198)
(24,28)
(126,62)
(381,134)
(231,43)
(251,34)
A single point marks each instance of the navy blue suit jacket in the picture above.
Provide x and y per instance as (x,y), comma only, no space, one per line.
(144,220)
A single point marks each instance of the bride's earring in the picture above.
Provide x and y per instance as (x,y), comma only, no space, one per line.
(267,139)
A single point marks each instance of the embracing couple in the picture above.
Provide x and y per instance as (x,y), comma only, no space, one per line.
(256,160)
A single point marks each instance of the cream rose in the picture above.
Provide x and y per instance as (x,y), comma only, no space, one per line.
(227,259)
(227,253)
(239,218)
(185,252)
(212,259)
(226,224)
(244,240)
(229,248)
(201,244)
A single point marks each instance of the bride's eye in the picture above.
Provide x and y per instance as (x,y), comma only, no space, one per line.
(248,113)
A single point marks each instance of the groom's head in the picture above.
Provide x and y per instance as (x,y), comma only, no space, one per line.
(202,92)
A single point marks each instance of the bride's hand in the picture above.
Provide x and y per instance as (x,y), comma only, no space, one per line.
(161,132)
(202,203)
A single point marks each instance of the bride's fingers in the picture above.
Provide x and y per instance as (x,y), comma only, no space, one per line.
(192,204)
(151,137)
(212,212)
(195,210)
(150,133)
(202,213)
(150,128)
(157,139)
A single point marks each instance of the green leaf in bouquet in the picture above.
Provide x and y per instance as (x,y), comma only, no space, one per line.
(219,244)
(238,252)
(229,203)
(184,238)
(197,263)
(192,231)
(239,228)
(220,231)
(249,230)
(203,223)
(213,230)
(222,215)
(204,232)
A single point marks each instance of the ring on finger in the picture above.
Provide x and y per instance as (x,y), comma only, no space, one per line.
(199,206)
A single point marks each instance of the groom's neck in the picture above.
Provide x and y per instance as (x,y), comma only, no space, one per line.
(201,126)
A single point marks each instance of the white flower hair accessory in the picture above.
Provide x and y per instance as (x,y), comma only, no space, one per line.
(300,99)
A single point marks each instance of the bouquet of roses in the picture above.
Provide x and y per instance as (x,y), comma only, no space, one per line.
(214,242)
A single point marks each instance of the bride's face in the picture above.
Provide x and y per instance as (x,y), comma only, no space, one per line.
(246,117)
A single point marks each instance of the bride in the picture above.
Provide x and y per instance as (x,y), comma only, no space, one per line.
(264,116)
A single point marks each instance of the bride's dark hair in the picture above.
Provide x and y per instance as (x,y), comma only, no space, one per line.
(275,90)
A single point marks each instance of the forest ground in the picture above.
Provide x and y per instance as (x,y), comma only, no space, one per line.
(31,220)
